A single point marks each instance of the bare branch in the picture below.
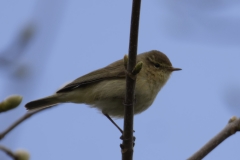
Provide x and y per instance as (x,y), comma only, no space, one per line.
(8,152)
(127,145)
(20,120)
(232,127)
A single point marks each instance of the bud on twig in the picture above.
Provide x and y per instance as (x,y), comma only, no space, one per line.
(125,60)
(10,103)
(137,68)
(22,154)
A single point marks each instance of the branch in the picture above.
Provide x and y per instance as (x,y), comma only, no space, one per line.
(8,152)
(20,120)
(127,145)
(232,127)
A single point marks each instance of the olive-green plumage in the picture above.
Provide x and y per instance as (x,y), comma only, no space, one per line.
(105,88)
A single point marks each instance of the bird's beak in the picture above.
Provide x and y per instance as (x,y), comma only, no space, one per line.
(174,69)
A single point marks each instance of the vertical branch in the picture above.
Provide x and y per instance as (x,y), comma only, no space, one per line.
(127,145)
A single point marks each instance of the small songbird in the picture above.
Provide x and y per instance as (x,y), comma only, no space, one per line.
(104,88)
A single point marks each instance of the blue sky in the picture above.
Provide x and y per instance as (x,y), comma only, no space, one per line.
(72,38)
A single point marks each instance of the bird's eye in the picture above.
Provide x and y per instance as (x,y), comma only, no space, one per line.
(157,65)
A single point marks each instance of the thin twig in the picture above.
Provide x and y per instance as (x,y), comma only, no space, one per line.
(8,152)
(127,145)
(20,120)
(232,127)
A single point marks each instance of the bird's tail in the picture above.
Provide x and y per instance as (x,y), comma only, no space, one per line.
(43,103)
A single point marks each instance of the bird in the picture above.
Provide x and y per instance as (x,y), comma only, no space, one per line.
(104,88)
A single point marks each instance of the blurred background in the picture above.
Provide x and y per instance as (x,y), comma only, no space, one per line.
(45,44)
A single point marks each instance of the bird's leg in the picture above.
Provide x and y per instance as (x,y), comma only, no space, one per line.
(113,122)
(108,117)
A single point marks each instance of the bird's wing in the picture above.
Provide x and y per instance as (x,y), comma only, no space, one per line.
(112,71)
